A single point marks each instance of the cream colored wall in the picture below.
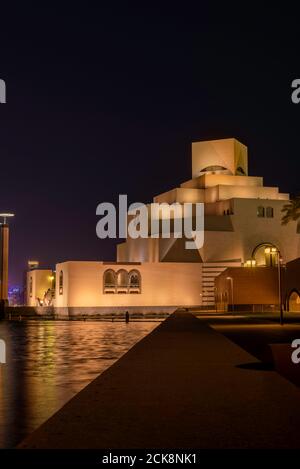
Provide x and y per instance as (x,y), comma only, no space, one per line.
(248,231)
(61,300)
(240,155)
(223,240)
(213,187)
(217,208)
(139,250)
(253,230)
(220,192)
(181,195)
(228,153)
(221,246)
(210,180)
(40,283)
(163,284)
(228,237)
(122,252)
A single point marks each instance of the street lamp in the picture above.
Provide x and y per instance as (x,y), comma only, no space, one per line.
(279,260)
(5,216)
(276,252)
(231,284)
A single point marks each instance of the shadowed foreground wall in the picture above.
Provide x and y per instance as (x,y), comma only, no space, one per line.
(255,285)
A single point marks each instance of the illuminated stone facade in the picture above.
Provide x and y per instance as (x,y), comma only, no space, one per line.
(242,224)
(242,217)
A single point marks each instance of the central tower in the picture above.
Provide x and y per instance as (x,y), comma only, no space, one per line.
(226,156)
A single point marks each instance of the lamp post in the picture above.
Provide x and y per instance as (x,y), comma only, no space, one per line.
(4,249)
(231,284)
(279,288)
(276,252)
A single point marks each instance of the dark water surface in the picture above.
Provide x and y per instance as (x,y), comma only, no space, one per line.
(48,362)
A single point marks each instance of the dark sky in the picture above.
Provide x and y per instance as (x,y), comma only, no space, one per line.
(106,100)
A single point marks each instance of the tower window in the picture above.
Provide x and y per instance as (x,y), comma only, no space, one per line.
(269,212)
(61,282)
(214,168)
(30,287)
(261,211)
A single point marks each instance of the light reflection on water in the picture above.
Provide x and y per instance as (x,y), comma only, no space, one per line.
(48,362)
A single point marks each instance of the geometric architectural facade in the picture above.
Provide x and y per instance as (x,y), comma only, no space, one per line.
(242,224)
(242,216)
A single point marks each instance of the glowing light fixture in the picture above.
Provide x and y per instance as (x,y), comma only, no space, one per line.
(5,216)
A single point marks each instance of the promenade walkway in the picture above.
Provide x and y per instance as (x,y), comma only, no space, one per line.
(182,386)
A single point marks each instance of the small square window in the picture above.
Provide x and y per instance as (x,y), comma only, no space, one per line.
(261,212)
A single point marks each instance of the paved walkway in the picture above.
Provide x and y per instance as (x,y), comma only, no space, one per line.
(180,387)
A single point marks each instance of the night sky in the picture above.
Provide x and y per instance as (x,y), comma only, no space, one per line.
(106,100)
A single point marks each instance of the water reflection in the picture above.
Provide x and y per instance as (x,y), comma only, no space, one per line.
(49,362)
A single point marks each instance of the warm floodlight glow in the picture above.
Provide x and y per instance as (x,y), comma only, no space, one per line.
(250,263)
(267,250)
(51,277)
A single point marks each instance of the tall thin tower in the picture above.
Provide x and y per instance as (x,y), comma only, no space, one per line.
(4,250)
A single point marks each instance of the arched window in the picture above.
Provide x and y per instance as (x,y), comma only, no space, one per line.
(61,282)
(269,212)
(214,169)
(261,211)
(294,301)
(109,278)
(122,281)
(266,255)
(134,281)
(109,281)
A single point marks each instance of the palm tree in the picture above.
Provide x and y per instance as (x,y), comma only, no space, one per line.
(291,211)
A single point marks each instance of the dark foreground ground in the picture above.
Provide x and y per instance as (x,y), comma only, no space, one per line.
(183,386)
(264,338)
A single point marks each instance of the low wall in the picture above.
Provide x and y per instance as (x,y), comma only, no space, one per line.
(118,312)
(27,312)
(76,313)
(248,308)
